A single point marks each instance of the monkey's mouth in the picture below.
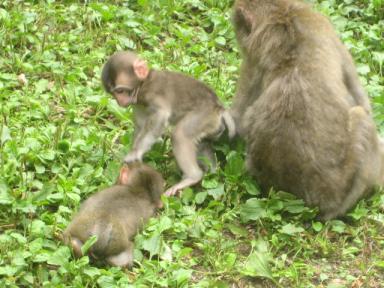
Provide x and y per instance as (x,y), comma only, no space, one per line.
(130,94)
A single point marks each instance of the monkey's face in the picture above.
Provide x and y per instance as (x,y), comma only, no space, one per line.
(123,75)
(125,90)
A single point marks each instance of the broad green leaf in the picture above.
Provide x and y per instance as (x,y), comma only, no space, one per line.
(165,223)
(41,257)
(235,165)
(221,40)
(132,24)
(166,253)
(253,209)
(251,188)
(359,212)
(5,134)
(338,226)
(92,272)
(88,244)
(209,184)
(41,86)
(152,245)
(8,270)
(38,228)
(5,198)
(48,155)
(63,146)
(230,260)
(295,206)
(317,226)
(181,276)
(20,238)
(40,169)
(291,229)
(257,264)
(200,197)
(60,256)
(106,281)
(237,230)
(216,193)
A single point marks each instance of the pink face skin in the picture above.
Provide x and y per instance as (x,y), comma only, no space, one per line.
(122,92)
(124,96)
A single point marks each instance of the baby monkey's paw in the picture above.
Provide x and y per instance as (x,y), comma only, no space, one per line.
(172,191)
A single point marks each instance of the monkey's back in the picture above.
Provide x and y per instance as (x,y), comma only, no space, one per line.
(298,127)
(186,94)
(115,215)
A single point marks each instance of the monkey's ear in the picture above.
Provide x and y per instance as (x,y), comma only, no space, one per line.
(242,20)
(124,175)
(141,69)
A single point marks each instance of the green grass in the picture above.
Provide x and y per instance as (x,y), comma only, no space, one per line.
(62,138)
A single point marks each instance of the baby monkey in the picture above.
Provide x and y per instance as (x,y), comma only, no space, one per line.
(161,98)
(116,214)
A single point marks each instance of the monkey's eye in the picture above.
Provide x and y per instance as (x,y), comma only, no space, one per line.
(121,90)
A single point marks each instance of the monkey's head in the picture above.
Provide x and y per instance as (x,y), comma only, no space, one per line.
(266,27)
(139,175)
(123,75)
(247,16)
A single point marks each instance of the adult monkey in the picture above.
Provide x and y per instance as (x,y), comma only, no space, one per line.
(301,108)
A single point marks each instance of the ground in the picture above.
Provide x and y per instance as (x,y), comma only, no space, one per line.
(62,139)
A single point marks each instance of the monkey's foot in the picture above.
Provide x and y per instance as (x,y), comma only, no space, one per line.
(172,191)
(124,259)
(181,185)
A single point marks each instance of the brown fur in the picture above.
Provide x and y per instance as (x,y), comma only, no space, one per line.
(161,98)
(116,214)
(301,108)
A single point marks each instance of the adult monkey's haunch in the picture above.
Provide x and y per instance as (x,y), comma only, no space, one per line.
(301,108)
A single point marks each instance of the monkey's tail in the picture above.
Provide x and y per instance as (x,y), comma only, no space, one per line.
(230,123)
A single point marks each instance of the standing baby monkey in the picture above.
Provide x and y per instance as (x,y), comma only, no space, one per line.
(115,215)
(301,108)
(162,98)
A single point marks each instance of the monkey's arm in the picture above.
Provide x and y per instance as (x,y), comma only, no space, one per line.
(352,82)
(147,135)
(248,90)
(140,115)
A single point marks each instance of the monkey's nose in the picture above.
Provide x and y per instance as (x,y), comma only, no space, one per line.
(123,101)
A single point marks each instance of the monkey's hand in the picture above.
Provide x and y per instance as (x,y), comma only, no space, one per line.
(172,191)
(133,156)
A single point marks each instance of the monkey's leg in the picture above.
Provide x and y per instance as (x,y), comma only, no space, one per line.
(248,81)
(352,82)
(184,149)
(140,114)
(123,259)
(206,157)
(147,136)
(381,142)
(76,246)
(364,162)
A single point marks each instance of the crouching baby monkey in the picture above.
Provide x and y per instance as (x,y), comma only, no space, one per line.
(301,108)
(116,214)
(161,98)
